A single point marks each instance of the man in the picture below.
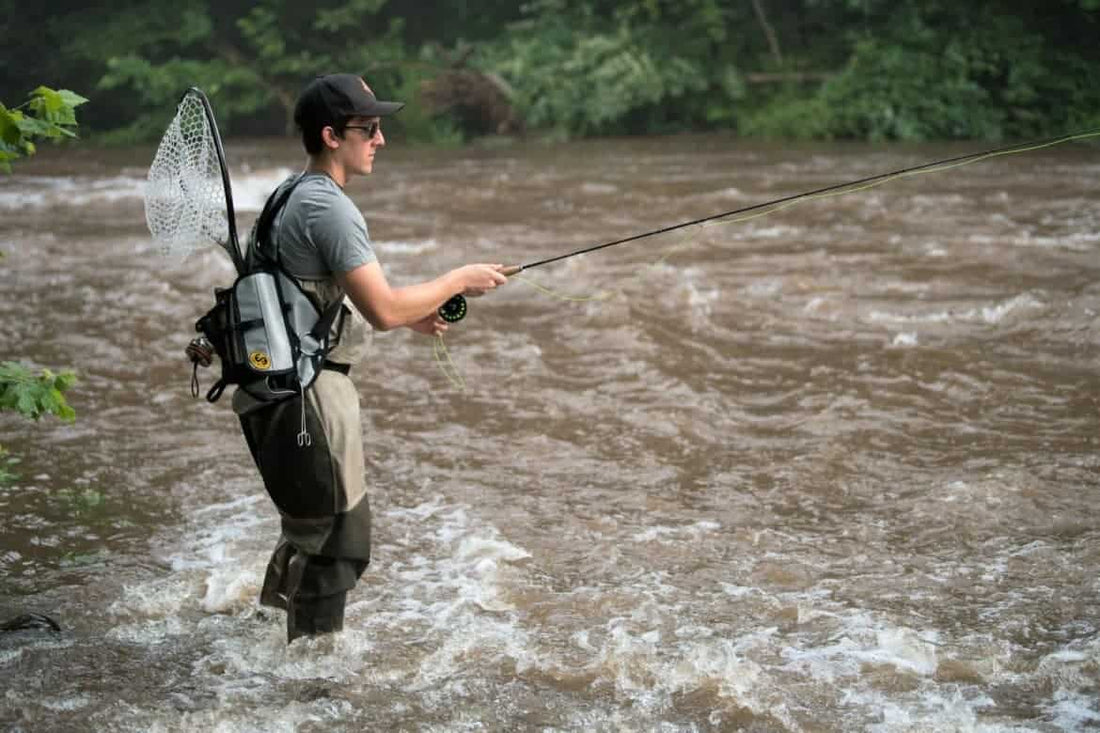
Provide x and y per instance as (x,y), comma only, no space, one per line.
(322,241)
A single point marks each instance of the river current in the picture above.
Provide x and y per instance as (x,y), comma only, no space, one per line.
(830,469)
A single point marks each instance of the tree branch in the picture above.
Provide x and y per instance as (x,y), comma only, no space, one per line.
(769,32)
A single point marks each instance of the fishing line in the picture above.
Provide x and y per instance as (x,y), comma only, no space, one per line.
(749,213)
(875,181)
(446,364)
(835,189)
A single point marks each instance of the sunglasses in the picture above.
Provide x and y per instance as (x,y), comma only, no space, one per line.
(371,128)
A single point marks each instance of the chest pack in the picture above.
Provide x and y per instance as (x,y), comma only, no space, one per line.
(270,336)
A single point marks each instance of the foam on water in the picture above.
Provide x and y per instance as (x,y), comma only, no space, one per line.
(1071,711)
(591,187)
(280,718)
(451,592)
(230,590)
(937,712)
(448,598)
(677,534)
(996,313)
(250,190)
(252,187)
(46,191)
(75,702)
(7,656)
(904,340)
(991,314)
(775,231)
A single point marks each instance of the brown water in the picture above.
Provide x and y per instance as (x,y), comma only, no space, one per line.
(831,469)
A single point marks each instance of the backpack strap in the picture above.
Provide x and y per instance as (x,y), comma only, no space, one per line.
(272,207)
(263,234)
(320,329)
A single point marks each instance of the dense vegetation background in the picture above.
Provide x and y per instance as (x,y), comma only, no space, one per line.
(870,69)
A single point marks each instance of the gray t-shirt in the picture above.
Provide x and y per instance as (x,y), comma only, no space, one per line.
(320,230)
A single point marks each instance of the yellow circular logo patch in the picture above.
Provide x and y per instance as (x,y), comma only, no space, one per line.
(259,361)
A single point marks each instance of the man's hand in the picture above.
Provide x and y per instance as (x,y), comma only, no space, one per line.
(432,325)
(480,279)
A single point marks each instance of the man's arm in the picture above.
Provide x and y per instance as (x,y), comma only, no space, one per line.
(387,308)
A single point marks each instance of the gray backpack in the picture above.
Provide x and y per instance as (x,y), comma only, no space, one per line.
(269,334)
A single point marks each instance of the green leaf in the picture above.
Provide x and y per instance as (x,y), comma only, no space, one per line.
(64,381)
(33,127)
(51,117)
(9,125)
(33,395)
(71,99)
(46,103)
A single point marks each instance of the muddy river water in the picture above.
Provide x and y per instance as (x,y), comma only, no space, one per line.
(831,469)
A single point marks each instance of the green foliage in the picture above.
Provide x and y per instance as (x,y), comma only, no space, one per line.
(416,123)
(991,77)
(897,69)
(896,92)
(158,87)
(620,77)
(254,64)
(34,395)
(49,115)
(630,68)
(788,115)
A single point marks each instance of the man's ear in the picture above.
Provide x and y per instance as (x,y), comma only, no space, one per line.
(330,138)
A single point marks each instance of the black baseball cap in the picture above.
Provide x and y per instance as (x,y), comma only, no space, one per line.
(331,99)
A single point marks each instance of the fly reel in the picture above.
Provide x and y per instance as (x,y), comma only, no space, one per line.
(454,310)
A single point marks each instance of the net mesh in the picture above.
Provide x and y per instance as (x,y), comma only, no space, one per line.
(184,195)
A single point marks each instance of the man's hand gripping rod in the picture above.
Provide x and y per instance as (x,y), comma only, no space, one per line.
(454,310)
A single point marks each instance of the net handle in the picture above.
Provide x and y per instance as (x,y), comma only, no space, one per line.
(233,246)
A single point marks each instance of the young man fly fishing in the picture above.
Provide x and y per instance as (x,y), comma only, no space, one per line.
(319,238)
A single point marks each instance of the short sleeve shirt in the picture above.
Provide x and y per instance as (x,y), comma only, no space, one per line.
(320,230)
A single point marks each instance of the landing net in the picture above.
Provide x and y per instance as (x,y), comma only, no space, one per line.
(185,194)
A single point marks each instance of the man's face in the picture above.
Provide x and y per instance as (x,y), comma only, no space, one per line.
(362,137)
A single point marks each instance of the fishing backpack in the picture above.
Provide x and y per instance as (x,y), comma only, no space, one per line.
(269,334)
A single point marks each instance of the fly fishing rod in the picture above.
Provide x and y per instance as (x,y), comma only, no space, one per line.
(455,308)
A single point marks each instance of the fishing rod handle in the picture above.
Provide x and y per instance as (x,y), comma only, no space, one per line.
(454,310)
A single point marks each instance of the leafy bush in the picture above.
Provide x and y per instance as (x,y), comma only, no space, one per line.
(787,115)
(583,70)
(990,77)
